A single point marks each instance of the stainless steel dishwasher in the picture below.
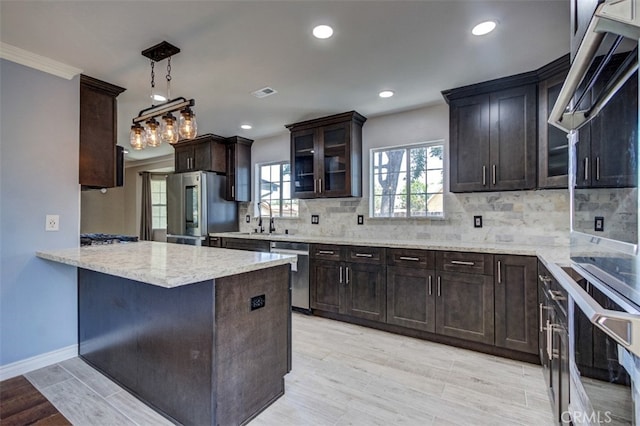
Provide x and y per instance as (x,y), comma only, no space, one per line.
(299,272)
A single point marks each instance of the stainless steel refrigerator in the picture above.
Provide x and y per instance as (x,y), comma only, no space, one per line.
(196,206)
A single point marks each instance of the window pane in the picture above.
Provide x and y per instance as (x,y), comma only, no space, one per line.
(435,204)
(435,180)
(418,204)
(400,206)
(435,157)
(274,184)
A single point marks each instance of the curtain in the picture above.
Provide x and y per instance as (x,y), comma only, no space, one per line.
(146,228)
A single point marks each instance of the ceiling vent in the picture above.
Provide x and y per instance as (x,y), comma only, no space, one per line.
(264,92)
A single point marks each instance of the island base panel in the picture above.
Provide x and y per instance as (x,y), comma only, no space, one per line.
(197,353)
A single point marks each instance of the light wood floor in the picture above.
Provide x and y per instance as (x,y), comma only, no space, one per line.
(343,375)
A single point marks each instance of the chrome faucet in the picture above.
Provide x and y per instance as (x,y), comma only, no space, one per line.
(272,226)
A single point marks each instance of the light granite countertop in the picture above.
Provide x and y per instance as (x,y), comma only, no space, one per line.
(559,254)
(165,264)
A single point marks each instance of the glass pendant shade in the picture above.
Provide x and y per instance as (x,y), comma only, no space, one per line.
(137,137)
(188,126)
(153,133)
(169,129)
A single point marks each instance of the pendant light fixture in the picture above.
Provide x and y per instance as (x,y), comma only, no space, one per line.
(169,129)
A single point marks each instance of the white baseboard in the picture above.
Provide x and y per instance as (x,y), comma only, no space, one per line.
(26,365)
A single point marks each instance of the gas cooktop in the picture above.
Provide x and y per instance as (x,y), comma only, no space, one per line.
(100,239)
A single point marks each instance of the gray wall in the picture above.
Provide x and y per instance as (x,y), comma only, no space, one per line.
(39,126)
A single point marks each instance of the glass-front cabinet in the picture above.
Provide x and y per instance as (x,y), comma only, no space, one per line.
(326,156)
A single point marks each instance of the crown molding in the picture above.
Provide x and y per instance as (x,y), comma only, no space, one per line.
(38,62)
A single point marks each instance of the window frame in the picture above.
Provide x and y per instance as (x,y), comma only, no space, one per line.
(407,148)
(278,214)
(158,178)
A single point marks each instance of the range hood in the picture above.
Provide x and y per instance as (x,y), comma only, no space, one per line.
(614,26)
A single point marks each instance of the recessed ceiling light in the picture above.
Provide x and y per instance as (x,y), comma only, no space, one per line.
(386,93)
(246,126)
(483,28)
(322,31)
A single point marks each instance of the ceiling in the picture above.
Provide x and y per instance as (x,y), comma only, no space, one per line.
(232,48)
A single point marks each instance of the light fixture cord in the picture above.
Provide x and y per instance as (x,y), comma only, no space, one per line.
(169,78)
(153,83)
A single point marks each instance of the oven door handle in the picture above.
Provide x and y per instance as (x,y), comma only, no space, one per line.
(623,327)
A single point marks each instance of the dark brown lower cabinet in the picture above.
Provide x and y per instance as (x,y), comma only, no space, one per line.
(464,306)
(516,307)
(365,291)
(354,289)
(410,301)
(325,285)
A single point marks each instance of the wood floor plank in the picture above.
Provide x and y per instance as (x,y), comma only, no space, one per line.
(22,404)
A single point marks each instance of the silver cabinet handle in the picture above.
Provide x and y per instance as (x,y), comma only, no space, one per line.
(430,293)
(549,340)
(233,191)
(499,272)
(586,168)
(540,318)
(597,168)
(438,285)
(369,255)
(413,259)
(315,186)
(545,279)
(484,175)
(347,273)
(557,295)
(341,275)
(493,174)
(325,252)
(461,262)
(320,185)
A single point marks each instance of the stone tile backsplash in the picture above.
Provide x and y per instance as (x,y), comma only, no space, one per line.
(519,217)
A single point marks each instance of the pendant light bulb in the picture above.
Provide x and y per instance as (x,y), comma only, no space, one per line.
(169,130)
(137,137)
(152,132)
(188,126)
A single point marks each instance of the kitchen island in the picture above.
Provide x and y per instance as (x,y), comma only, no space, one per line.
(201,334)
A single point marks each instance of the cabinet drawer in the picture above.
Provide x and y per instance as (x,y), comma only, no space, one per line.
(411,258)
(215,242)
(478,263)
(365,254)
(327,252)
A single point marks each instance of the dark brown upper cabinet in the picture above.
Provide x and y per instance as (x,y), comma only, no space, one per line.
(98,165)
(493,135)
(553,145)
(326,156)
(238,152)
(204,153)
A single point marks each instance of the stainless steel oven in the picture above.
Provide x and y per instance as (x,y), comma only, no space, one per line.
(598,107)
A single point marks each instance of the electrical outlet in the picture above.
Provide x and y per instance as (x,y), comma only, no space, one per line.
(477,221)
(599,224)
(315,219)
(247,219)
(360,219)
(52,222)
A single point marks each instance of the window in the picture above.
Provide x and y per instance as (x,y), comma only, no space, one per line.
(159,201)
(408,181)
(274,187)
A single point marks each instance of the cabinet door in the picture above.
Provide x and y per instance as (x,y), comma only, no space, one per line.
(303,163)
(365,291)
(240,182)
(615,131)
(326,285)
(513,143)
(202,156)
(553,145)
(410,301)
(183,158)
(464,306)
(469,140)
(516,313)
(334,171)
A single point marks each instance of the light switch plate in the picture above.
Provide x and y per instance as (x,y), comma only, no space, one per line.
(360,219)
(477,221)
(599,224)
(52,222)
(247,219)
(315,219)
